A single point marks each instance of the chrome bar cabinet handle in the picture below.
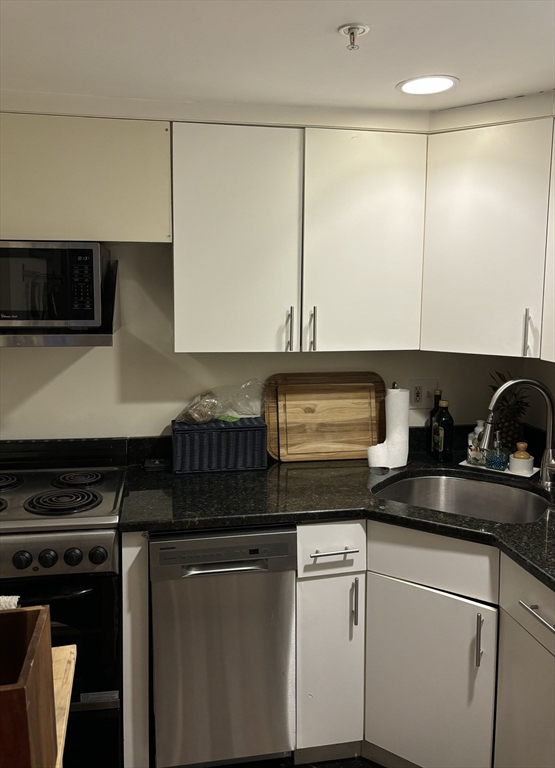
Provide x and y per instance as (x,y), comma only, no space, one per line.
(532,609)
(336,552)
(479,651)
(355,607)
(313,318)
(290,321)
(525,345)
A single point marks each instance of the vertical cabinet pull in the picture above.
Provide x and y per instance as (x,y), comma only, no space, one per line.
(313,320)
(479,651)
(290,323)
(525,345)
(355,602)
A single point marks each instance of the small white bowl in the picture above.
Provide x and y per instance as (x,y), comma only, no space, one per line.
(521,466)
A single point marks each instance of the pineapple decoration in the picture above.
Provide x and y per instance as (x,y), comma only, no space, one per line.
(510,410)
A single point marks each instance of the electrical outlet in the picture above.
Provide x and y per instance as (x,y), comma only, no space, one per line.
(421,393)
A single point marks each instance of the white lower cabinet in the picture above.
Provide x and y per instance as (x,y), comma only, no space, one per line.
(525,730)
(330,660)
(525,726)
(430,674)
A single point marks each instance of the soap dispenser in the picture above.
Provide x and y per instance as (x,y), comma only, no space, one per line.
(497,457)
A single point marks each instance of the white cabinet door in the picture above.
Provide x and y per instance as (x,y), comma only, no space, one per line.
(363,239)
(486,217)
(237,237)
(426,700)
(548,326)
(83,178)
(330,660)
(525,727)
(135,660)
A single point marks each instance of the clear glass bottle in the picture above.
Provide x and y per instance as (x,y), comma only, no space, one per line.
(474,455)
(442,433)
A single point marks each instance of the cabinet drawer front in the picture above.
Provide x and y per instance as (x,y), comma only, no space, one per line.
(516,584)
(327,541)
(452,565)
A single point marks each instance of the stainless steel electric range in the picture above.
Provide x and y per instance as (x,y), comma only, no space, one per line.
(59,546)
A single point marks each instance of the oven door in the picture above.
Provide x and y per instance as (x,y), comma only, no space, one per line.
(84,611)
(49,284)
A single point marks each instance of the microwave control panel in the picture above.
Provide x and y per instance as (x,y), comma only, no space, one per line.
(81,265)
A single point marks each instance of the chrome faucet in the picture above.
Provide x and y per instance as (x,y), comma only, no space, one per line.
(547,471)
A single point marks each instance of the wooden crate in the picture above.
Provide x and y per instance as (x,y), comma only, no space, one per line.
(27,710)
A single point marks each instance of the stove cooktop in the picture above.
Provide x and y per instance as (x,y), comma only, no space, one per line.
(56,499)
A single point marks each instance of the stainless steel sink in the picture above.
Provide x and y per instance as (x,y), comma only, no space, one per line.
(461,496)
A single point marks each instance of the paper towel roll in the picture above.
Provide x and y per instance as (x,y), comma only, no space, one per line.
(395,450)
(378,455)
(397,426)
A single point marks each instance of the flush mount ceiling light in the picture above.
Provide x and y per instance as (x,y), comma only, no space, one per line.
(352,31)
(429,84)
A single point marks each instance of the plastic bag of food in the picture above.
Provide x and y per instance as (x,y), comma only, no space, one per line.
(229,403)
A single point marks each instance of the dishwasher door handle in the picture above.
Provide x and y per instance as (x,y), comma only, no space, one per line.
(209,569)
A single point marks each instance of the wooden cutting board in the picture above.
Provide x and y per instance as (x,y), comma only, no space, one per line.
(320,416)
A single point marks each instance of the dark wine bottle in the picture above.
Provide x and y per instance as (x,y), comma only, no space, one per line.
(435,409)
(442,433)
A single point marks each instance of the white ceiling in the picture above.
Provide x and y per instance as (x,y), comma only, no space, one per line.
(284,52)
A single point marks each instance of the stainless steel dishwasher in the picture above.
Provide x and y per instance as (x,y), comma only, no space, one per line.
(223,631)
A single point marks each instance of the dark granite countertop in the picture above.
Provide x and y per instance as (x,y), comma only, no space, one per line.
(291,493)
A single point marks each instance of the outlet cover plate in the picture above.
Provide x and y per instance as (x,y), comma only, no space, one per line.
(422,393)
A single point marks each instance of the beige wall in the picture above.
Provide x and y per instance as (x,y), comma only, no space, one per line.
(137,386)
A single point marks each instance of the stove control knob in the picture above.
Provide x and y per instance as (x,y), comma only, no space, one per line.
(48,558)
(22,560)
(98,555)
(73,556)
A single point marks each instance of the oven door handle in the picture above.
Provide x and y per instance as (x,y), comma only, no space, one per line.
(27,602)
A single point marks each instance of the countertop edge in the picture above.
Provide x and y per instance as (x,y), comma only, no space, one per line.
(316,516)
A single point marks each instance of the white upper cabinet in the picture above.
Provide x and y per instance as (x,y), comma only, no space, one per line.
(363,239)
(548,326)
(80,178)
(237,237)
(486,218)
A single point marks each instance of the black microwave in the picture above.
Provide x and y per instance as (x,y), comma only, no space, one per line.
(51,285)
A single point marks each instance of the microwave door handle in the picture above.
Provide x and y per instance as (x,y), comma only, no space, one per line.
(27,602)
(53,301)
(34,303)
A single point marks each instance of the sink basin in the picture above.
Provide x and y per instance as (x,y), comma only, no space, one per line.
(472,498)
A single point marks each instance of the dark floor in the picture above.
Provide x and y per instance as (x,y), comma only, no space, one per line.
(355,762)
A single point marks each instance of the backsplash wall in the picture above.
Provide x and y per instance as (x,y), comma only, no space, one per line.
(137,386)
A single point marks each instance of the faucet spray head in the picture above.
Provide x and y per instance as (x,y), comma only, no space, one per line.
(485,441)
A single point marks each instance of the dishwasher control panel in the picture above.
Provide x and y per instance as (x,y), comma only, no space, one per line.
(182,556)
(175,555)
